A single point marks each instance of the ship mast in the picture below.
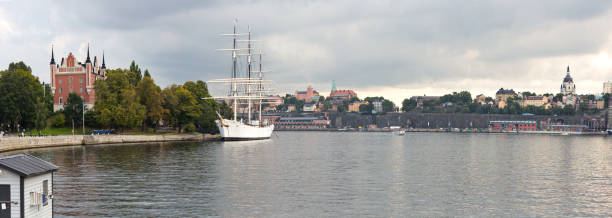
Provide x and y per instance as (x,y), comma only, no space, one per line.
(249,76)
(233,84)
(260,86)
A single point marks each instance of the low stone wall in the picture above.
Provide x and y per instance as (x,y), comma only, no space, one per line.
(18,143)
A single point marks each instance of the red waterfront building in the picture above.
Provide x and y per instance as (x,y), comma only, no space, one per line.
(73,76)
(513,125)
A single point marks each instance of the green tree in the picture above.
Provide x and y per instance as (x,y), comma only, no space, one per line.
(149,95)
(41,115)
(365,108)
(226,111)
(134,74)
(408,105)
(90,119)
(116,103)
(207,107)
(20,93)
(186,107)
(569,109)
(18,66)
(73,109)
(57,120)
(528,94)
(343,106)
(558,97)
(388,106)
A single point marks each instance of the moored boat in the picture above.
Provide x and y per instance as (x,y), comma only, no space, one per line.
(245,88)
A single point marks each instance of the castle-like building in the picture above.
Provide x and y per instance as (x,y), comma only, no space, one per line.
(73,76)
(568,89)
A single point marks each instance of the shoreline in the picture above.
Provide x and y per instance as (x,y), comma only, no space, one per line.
(24,143)
(447,131)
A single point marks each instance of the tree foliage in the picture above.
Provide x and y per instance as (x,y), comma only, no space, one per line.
(73,109)
(388,106)
(181,106)
(206,106)
(408,105)
(21,93)
(149,95)
(116,103)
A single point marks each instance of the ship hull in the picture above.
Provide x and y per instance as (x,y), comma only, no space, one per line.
(231,130)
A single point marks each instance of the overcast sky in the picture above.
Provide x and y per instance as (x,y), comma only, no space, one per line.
(391,48)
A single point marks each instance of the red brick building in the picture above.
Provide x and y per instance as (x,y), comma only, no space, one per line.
(73,76)
(307,95)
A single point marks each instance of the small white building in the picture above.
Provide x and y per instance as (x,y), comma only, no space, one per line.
(26,186)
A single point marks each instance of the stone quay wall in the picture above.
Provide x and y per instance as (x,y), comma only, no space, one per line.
(442,120)
(19,143)
(454,120)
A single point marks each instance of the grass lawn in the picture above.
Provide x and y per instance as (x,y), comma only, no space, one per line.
(58,131)
(55,131)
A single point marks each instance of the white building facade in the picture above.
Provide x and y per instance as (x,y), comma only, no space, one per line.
(607,87)
(26,186)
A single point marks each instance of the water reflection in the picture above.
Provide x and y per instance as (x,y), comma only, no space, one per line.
(339,174)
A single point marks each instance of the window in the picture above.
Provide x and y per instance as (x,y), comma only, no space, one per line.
(60,81)
(61,100)
(81,89)
(81,80)
(61,90)
(45,196)
(70,81)
(70,90)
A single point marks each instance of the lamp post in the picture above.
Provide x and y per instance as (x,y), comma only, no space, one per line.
(83,112)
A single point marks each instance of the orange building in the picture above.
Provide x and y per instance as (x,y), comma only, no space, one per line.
(343,94)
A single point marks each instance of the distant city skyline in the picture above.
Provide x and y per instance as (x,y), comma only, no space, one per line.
(394,49)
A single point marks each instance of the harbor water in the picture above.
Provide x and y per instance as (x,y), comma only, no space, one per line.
(339,174)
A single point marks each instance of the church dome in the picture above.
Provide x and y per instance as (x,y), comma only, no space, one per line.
(568,78)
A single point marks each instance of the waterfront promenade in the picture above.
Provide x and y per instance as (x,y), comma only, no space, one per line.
(20,143)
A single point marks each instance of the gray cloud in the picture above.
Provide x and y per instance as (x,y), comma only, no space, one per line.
(361,44)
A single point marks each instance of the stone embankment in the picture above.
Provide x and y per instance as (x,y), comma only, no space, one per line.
(19,143)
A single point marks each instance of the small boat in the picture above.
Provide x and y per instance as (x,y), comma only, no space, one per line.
(400,132)
(609,131)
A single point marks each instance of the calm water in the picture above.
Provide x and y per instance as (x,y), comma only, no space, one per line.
(312,174)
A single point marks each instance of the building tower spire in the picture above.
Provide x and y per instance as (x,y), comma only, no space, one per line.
(52,56)
(567,69)
(103,64)
(88,59)
(333,89)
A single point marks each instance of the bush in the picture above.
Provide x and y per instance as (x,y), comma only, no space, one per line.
(57,120)
(189,127)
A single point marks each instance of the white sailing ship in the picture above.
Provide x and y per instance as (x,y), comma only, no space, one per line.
(245,88)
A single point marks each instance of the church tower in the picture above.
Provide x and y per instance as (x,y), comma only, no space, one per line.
(53,70)
(568,87)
